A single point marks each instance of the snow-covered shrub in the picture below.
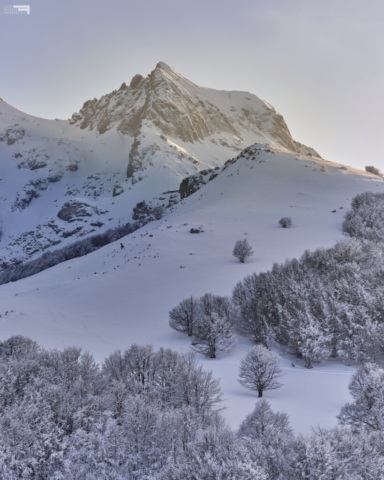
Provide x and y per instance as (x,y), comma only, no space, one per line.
(260,370)
(285,222)
(242,250)
(374,170)
(158,212)
(141,211)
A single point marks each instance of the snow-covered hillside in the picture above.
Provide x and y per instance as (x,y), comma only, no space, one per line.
(122,293)
(133,144)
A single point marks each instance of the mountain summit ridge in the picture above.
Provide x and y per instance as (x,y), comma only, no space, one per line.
(168,102)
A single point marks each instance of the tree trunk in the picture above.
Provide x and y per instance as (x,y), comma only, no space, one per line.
(308,362)
(260,392)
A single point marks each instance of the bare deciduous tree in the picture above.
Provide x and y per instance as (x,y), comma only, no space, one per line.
(183,317)
(260,370)
(213,335)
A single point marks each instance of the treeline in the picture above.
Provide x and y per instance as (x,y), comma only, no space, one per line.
(329,303)
(155,415)
(74,250)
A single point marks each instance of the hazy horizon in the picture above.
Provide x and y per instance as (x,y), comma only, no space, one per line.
(319,65)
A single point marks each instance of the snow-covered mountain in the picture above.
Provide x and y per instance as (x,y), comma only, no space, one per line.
(64,180)
(169,104)
(224,163)
(116,296)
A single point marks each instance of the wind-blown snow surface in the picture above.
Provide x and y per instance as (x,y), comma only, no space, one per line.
(117,296)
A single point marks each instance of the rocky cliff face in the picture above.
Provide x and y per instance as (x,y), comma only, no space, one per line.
(167,103)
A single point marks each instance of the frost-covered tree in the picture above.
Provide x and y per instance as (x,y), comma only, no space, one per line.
(213,335)
(337,453)
(285,222)
(366,413)
(184,316)
(270,437)
(242,250)
(154,415)
(254,315)
(330,302)
(359,335)
(265,425)
(260,370)
(222,306)
(365,219)
(313,342)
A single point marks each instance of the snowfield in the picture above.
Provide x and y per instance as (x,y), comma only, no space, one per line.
(122,293)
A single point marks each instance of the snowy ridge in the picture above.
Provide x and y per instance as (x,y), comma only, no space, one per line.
(131,145)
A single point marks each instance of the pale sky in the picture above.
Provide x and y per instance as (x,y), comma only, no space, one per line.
(320,63)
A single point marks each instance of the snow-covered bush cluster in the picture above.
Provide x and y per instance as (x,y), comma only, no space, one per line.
(155,415)
(74,250)
(285,222)
(330,302)
(208,320)
(145,211)
(366,219)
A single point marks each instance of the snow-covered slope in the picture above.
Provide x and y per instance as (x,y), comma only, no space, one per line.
(132,144)
(117,296)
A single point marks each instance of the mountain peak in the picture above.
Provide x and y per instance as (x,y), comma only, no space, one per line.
(136,81)
(168,104)
(163,66)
